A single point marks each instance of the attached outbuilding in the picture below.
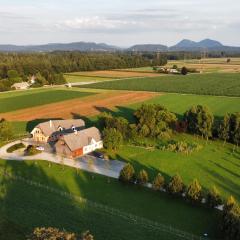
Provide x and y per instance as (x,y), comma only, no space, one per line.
(79,143)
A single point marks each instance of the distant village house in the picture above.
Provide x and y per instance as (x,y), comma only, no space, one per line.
(21,86)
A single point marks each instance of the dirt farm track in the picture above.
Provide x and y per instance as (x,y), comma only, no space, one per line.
(88,106)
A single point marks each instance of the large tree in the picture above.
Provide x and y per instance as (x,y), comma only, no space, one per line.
(154,120)
(230,128)
(199,121)
(112,138)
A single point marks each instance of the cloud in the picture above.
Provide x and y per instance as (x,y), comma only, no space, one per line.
(95,23)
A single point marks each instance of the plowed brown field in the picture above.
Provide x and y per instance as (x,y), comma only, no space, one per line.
(88,106)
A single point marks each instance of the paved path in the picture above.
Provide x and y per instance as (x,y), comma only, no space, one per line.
(110,168)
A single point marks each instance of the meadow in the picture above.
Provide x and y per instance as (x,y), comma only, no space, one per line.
(224,84)
(26,99)
(26,206)
(213,165)
(75,78)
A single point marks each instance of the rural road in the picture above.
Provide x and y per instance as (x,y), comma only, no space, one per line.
(88,163)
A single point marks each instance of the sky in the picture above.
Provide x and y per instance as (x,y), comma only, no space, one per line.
(119,22)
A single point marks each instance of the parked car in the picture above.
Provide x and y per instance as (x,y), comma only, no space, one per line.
(97,154)
(40,148)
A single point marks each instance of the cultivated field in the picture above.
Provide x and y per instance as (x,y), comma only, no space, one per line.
(39,207)
(88,106)
(115,74)
(209,65)
(27,99)
(224,84)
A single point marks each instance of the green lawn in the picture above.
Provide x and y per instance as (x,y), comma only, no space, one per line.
(214,164)
(14,102)
(74,78)
(28,206)
(220,84)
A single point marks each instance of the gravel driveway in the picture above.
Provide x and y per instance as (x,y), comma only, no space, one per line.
(110,168)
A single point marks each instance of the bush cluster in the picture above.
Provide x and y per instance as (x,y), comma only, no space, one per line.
(15,147)
(180,147)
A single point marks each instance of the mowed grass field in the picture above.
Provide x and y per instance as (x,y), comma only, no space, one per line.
(74,78)
(29,206)
(221,84)
(214,164)
(26,99)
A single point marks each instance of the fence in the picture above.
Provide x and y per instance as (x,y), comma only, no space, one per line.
(146,223)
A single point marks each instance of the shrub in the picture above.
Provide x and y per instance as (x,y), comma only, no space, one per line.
(142,177)
(176,185)
(194,191)
(175,66)
(158,182)
(51,233)
(184,71)
(15,147)
(213,197)
(31,150)
(127,174)
(180,147)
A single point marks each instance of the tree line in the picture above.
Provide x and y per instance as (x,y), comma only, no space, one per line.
(193,193)
(153,121)
(48,67)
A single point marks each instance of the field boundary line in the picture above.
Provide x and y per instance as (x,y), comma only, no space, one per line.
(144,222)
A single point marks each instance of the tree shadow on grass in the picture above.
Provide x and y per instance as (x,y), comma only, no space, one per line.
(29,206)
(223,182)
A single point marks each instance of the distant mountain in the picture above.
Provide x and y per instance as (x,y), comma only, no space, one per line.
(77,46)
(184,45)
(148,48)
(188,45)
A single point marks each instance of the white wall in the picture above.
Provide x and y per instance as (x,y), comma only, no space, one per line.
(92,147)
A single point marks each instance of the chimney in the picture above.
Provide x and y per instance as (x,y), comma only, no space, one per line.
(50,123)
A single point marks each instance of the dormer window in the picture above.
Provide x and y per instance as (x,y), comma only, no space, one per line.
(60,129)
(74,128)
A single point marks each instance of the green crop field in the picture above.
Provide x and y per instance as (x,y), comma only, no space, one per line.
(27,99)
(224,84)
(179,103)
(27,206)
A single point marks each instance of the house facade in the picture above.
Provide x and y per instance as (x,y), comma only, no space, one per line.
(51,131)
(70,138)
(79,143)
